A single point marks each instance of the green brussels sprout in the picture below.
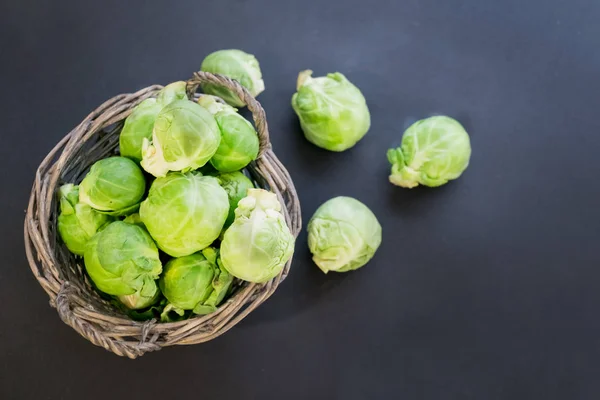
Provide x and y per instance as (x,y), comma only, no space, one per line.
(185,213)
(433,151)
(221,284)
(236,184)
(138,126)
(185,137)
(257,245)
(143,298)
(194,282)
(114,184)
(343,235)
(333,112)
(77,222)
(171,92)
(239,141)
(122,259)
(235,64)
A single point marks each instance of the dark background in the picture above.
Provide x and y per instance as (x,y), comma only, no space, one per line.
(486,288)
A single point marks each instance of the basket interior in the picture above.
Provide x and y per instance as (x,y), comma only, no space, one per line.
(105,143)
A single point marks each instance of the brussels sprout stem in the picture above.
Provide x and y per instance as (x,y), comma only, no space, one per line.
(304,77)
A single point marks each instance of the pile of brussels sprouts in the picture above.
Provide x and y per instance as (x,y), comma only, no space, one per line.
(176,248)
(344,234)
(165,227)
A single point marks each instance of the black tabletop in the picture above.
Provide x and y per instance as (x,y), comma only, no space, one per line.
(486,288)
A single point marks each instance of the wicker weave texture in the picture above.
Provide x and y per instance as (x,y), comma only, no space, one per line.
(62,275)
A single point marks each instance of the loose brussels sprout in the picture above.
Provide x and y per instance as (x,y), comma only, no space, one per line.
(194,282)
(236,184)
(77,222)
(239,140)
(115,185)
(122,259)
(185,213)
(143,298)
(333,112)
(185,137)
(258,243)
(138,126)
(343,235)
(433,151)
(235,64)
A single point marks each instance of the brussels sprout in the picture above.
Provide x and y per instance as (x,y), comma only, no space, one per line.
(143,298)
(185,137)
(235,64)
(433,151)
(236,184)
(138,126)
(221,284)
(194,282)
(115,184)
(239,140)
(171,92)
(122,259)
(343,235)
(258,243)
(333,112)
(77,222)
(185,213)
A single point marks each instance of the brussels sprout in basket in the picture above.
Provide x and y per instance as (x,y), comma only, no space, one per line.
(258,243)
(236,184)
(108,216)
(123,259)
(185,213)
(114,185)
(185,137)
(239,141)
(77,222)
(194,282)
(139,125)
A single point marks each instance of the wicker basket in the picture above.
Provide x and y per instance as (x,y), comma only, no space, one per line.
(62,275)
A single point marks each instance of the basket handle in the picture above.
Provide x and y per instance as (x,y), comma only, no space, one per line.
(97,336)
(258,113)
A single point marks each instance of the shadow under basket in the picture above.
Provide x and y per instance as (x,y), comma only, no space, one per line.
(63,276)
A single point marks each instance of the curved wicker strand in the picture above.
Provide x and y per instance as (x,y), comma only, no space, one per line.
(61,275)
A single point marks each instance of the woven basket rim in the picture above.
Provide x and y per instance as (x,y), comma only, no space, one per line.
(62,277)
